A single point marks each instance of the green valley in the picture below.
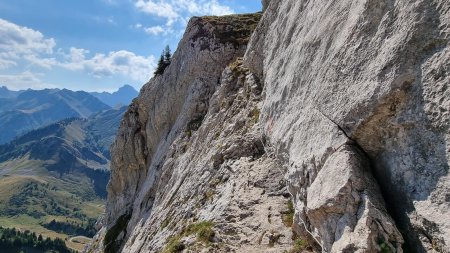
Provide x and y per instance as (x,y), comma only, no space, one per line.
(13,240)
(53,179)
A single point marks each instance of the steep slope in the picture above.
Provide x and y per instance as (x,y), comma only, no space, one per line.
(347,100)
(103,127)
(163,158)
(58,172)
(32,109)
(123,96)
(357,87)
(70,146)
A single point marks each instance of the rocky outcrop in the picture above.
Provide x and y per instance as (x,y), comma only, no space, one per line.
(189,155)
(345,206)
(373,74)
(345,103)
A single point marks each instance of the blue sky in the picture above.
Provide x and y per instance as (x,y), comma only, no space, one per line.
(94,45)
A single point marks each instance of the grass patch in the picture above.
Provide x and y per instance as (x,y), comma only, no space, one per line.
(288,216)
(25,241)
(81,239)
(165,223)
(233,29)
(174,245)
(78,243)
(237,67)
(31,202)
(299,246)
(208,195)
(384,247)
(254,115)
(203,229)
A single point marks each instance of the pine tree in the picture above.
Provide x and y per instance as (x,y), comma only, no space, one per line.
(164,61)
(167,56)
(161,66)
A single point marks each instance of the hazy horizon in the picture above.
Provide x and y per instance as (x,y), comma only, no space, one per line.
(112,90)
(94,45)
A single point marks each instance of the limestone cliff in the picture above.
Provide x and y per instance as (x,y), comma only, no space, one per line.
(341,107)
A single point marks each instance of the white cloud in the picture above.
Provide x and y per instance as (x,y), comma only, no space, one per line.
(122,62)
(18,42)
(20,45)
(203,7)
(5,63)
(46,63)
(160,9)
(74,59)
(154,30)
(24,80)
(180,10)
(216,9)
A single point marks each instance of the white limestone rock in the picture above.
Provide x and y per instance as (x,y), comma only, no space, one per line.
(377,72)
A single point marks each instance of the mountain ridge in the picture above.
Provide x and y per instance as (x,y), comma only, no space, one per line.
(24,110)
(123,96)
(35,108)
(6,93)
(327,132)
(53,179)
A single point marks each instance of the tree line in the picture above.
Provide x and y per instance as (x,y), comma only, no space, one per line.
(13,241)
(73,229)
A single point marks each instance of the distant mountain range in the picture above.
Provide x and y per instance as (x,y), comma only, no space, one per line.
(121,97)
(6,93)
(68,144)
(58,172)
(32,109)
(54,158)
(22,111)
(102,127)
(72,146)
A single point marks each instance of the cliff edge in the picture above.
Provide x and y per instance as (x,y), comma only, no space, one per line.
(314,127)
(360,87)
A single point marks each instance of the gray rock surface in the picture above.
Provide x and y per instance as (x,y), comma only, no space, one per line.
(189,151)
(375,72)
(345,206)
(346,100)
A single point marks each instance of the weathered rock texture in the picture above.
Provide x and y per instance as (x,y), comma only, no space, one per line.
(353,87)
(347,100)
(189,151)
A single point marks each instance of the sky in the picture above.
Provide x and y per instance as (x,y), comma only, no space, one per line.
(94,45)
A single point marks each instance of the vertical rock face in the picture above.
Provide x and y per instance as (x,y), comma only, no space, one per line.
(162,110)
(189,170)
(342,106)
(360,80)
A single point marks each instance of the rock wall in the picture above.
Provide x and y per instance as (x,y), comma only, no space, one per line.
(189,169)
(341,107)
(358,87)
